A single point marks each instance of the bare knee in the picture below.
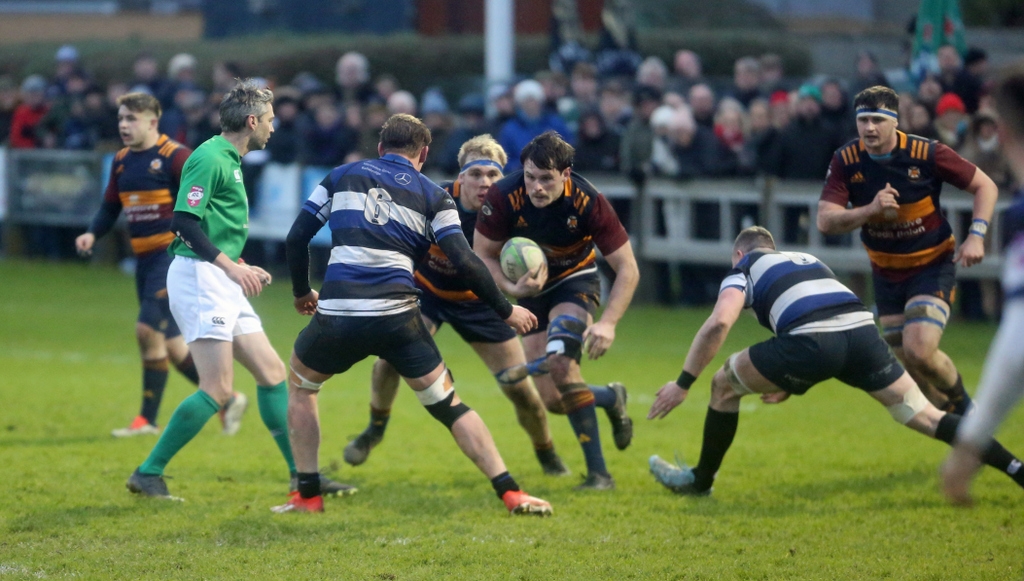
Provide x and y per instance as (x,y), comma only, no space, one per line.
(151,341)
(918,354)
(523,397)
(723,397)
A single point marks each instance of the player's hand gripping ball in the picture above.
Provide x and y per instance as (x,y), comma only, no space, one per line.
(519,256)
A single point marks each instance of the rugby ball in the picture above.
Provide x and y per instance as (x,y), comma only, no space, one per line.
(519,256)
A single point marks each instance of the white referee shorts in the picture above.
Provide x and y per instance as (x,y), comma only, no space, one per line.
(206,304)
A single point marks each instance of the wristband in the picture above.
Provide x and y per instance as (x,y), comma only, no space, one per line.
(979,227)
(685,380)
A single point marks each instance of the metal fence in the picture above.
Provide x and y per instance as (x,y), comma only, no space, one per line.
(691,222)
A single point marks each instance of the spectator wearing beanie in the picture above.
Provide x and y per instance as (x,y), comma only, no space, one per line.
(530,121)
(950,119)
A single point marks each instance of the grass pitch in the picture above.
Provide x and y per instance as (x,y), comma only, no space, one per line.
(824,486)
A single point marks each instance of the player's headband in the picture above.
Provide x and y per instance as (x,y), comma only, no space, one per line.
(489,162)
(867,111)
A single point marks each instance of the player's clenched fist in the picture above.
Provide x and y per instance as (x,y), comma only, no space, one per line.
(306,305)
(522,320)
(885,202)
(83,244)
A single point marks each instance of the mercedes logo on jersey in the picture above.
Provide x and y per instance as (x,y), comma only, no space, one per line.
(403,179)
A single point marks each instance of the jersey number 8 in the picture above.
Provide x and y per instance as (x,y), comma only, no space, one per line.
(378,206)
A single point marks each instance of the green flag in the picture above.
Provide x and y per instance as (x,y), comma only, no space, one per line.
(939,23)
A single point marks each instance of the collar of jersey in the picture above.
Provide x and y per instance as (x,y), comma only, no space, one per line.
(394,157)
(224,143)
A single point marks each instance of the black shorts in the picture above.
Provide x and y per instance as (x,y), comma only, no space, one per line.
(331,345)
(858,357)
(937,279)
(151,289)
(474,321)
(584,290)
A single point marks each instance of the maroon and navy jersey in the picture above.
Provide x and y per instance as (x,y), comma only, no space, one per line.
(145,184)
(567,230)
(916,168)
(436,274)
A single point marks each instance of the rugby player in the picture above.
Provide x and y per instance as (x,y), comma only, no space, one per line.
(558,209)
(822,331)
(447,297)
(144,181)
(892,181)
(384,215)
(208,287)
(1002,380)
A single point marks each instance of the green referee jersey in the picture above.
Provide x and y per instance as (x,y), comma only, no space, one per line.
(212,189)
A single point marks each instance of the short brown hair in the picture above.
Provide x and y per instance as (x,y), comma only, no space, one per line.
(483,146)
(404,134)
(877,97)
(1008,95)
(753,237)
(244,99)
(548,151)
(140,102)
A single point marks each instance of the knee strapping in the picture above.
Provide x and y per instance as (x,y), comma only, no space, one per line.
(913,403)
(926,312)
(734,380)
(305,383)
(893,336)
(517,373)
(565,337)
(438,401)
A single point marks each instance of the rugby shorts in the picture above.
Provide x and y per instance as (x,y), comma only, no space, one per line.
(206,304)
(857,357)
(938,279)
(473,320)
(332,344)
(151,289)
(583,290)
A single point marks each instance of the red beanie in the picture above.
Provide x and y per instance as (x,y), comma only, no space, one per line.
(947,102)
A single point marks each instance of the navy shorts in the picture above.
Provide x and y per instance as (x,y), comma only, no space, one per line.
(331,345)
(584,290)
(858,357)
(474,321)
(937,279)
(151,289)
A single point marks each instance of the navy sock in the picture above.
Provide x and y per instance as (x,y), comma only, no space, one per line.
(995,455)
(503,483)
(187,368)
(154,380)
(378,422)
(579,405)
(604,397)
(719,430)
(309,484)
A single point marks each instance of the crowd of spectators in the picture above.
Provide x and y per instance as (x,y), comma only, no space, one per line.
(649,120)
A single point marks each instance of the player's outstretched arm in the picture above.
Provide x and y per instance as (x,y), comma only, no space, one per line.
(599,336)
(705,346)
(985,192)
(476,274)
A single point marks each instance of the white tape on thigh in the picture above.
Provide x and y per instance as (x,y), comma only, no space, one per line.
(734,379)
(306,384)
(436,392)
(913,402)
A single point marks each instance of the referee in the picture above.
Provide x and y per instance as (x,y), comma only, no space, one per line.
(208,288)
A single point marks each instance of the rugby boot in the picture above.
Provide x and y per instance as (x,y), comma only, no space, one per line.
(358,450)
(328,487)
(151,485)
(622,425)
(232,412)
(596,481)
(140,426)
(518,502)
(298,504)
(552,464)
(677,478)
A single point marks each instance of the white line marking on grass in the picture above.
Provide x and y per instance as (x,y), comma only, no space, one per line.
(67,356)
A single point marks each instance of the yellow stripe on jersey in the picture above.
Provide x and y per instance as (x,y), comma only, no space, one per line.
(909,212)
(448,295)
(913,259)
(146,198)
(151,243)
